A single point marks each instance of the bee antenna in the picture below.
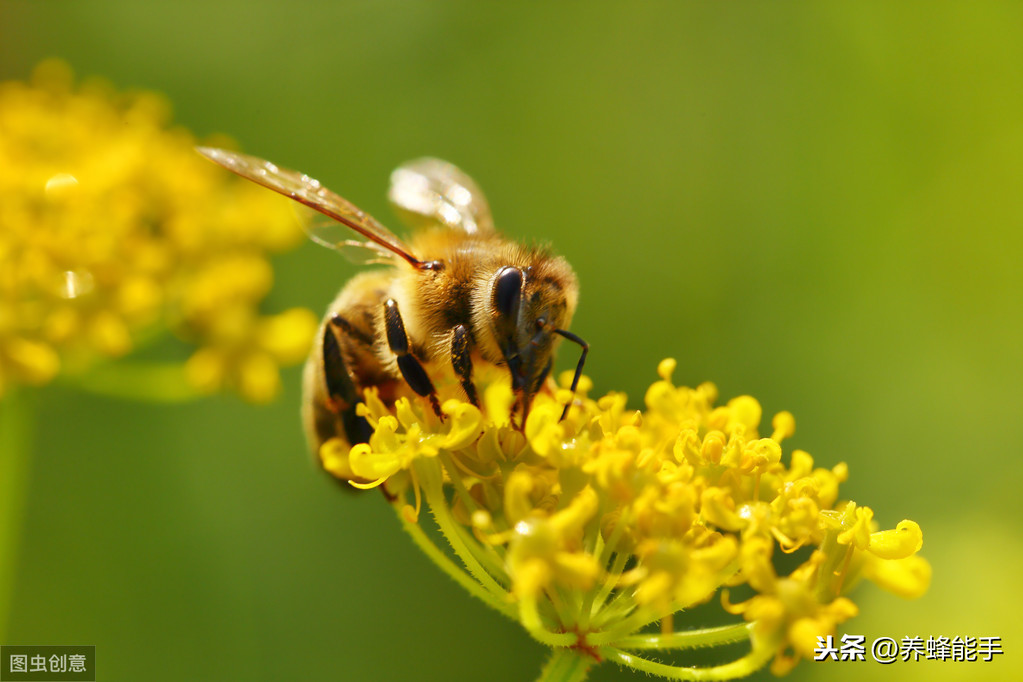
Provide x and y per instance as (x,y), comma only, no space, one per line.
(579,367)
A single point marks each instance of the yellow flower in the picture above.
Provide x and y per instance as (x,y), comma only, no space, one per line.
(112,229)
(789,618)
(592,529)
(546,550)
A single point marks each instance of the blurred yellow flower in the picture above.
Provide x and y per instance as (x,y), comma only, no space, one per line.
(112,228)
(594,529)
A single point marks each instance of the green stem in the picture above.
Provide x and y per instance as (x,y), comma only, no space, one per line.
(530,618)
(17,412)
(444,562)
(429,473)
(484,552)
(634,622)
(149,382)
(608,584)
(615,609)
(748,664)
(688,639)
(565,665)
(642,617)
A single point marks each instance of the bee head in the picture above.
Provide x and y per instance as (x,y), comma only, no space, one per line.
(528,305)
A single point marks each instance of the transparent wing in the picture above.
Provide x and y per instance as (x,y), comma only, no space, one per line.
(332,234)
(365,253)
(434,192)
(308,191)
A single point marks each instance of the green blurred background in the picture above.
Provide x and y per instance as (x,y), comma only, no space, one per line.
(816,205)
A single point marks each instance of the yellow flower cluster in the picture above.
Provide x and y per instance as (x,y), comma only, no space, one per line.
(112,229)
(593,529)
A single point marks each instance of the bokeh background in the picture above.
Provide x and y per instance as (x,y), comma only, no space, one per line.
(819,206)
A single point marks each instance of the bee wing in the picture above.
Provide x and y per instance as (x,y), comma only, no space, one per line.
(310,192)
(328,232)
(434,192)
(365,253)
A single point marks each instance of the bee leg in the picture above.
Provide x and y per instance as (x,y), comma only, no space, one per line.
(340,388)
(341,393)
(462,363)
(410,367)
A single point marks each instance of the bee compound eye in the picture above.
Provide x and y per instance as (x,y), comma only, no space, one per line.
(508,291)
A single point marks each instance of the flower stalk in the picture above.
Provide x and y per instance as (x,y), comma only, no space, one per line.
(17,430)
(565,665)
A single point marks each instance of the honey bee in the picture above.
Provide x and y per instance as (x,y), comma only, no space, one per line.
(458,291)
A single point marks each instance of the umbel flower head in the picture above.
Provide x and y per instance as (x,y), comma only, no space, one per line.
(112,229)
(598,532)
